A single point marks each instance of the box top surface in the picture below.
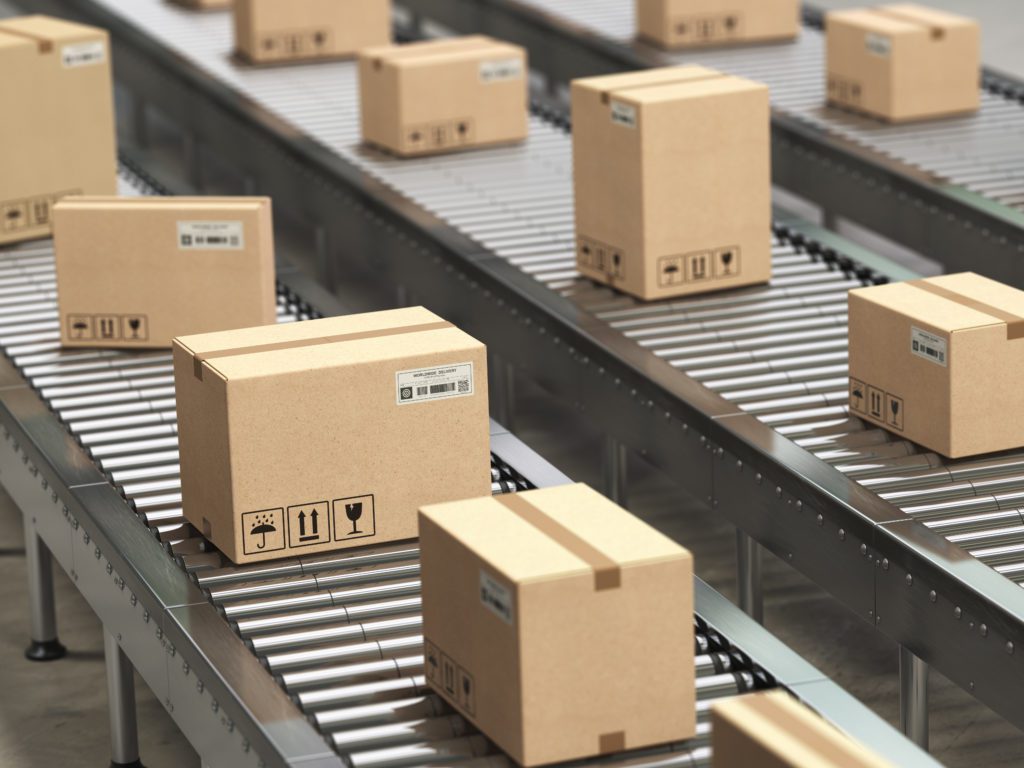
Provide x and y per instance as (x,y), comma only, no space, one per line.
(646,77)
(786,727)
(901,18)
(157,203)
(667,84)
(957,302)
(46,29)
(281,349)
(440,51)
(524,553)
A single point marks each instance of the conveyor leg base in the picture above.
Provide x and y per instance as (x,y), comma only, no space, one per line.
(136,764)
(45,650)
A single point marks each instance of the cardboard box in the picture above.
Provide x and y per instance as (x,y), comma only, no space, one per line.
(673,181)
(136,272)
(443,95)
(940,362)
(774,730)
(903,62)
(328,434)
(204,5)
(696,23)
(558,623)
(273,31)
(57,130)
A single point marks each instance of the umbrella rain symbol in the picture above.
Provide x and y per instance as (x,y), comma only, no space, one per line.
(261,526)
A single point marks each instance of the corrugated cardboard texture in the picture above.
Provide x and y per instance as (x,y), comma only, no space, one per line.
(272,31)
(57,130)
(298,442)
(444,95)
(903,62)
(699,23)
(131,274)
(773,730)
(548,657)
(940,362)
(673,181)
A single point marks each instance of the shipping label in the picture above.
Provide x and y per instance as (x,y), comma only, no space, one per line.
(429,384)
(496,597)
(624,114)
(211,235)
(879,45)
(455,682)
(83,54)
(707,28)
(877,404)
(501,70)
(929,346)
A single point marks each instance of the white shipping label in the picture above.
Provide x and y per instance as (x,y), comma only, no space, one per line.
(502,69)
(211,235)
(880,45)
(929,346)
(496,597)
(623,114)
(84,54)
(434,383)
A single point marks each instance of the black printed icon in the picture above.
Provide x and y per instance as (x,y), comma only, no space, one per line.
(449,676)
(467,691)
(432,658)
(354,518)
(319,38)
(309,524)
(108,327)
(727,262)
(698,266)
(876,403)
(894,412)
(262,531)
(136,328)
(731,22)
(406,393)
(858,396)
(670,271)
(80,327)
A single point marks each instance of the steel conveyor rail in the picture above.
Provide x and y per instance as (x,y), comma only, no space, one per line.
(302,662)
(951,189)
(739,396)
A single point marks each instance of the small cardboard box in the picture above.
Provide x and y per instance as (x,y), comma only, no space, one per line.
(694,23)
(940,362)
(673,181)
(57,129)
(903,62)
(443,95)
(558,623)
(773,730)
(136,272)
(274,31)
(327,434)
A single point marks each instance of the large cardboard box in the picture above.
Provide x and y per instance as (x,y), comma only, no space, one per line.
(694,23)
(136,272)
(558,623)
(274,31)
(673,181)
(903,62)
(327,434)
(940,362)
(773,730)
(57,124)
(443,95)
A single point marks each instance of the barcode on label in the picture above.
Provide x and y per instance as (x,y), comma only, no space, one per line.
(429,384)
(503,69)
(211,235)
(83,54)
(929,346)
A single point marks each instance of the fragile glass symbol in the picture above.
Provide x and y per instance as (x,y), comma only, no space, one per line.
(134,323)
(261,527)
(353,512)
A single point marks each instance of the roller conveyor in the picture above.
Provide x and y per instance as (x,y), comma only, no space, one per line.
(737,395)
(336,635)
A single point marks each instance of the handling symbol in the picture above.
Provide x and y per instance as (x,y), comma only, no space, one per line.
(134,323)
(313,524)
(261,527)
(353,512)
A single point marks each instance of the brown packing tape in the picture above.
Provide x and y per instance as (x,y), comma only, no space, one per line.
(44,43)
(607,572)
(203,357)
(937,32)
(616,90)
(1014,323)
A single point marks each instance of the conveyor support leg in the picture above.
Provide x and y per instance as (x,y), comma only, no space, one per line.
(43,630)
(914,698)
(616,465)
(748,574)
(124,737)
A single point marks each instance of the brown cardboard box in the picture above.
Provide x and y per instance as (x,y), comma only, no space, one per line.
(673,181)
(940,362)
(903,62)
(558,623)
(773,730)
(136,272)
(274,31)
(693,23)
(57,124)
(443,95)
(204,5)
(327,434)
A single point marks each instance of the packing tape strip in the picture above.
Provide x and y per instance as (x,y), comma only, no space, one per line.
(1014,323)
(607,572)
(381,333)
